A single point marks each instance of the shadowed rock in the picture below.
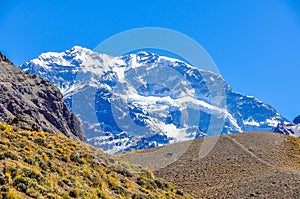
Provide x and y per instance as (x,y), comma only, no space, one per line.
(33,103)
(297,120)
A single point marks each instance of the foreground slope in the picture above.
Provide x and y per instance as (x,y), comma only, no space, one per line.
(44,165)
(247,165)
(34,103)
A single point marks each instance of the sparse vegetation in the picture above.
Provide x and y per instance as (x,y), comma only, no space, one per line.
(43,165)
(295,143)
(246,165)
(294,151)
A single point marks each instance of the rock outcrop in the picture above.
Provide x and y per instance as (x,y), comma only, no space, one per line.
(289,128)
(33,103)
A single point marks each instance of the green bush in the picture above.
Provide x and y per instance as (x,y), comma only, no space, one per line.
(2,128)
(148,184)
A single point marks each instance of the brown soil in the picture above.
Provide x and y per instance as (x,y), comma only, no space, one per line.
(247,165)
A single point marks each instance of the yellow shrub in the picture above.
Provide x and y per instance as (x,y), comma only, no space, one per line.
(29,153)
(8,175)
(114,182)
(45,157)
(87,171)
(13,195)
(50,146)
(145,190)
(129,185)
(60,136)
(60,150)
(60,171)
(101,171)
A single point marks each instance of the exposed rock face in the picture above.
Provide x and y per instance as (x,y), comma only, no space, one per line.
(297,120)
(290,128)
(33,103)
(25,122)
(138,101)
(286,129)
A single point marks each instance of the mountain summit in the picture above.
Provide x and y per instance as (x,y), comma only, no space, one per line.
(144,100)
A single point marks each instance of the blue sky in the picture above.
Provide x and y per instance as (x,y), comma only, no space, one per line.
(255,44)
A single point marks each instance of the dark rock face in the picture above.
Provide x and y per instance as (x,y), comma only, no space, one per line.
(25,122)
(4,59)
(297,120)
(286,129)
(291,128)
(32,103)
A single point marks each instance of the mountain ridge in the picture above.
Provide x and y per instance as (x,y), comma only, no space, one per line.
(289,128)
(4,58)
(153,104)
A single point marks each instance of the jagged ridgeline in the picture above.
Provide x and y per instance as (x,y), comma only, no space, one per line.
(44,165)
(289,128)
(155,99)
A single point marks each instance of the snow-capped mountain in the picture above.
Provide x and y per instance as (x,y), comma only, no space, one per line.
(289,128)
(144,100)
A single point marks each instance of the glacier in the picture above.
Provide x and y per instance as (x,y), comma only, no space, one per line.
(143,100)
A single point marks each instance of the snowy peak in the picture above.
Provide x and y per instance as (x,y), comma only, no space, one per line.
(144,100)
(289,128)
(75,57)
(80,49)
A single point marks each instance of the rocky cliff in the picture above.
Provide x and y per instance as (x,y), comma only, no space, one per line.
(33,103)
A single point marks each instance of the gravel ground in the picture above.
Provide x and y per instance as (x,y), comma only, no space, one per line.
(246,165)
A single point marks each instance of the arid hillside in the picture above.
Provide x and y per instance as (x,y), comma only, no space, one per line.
(44,165)
(246,165)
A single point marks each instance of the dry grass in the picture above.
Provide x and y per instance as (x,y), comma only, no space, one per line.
(43,165)
(294,151)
